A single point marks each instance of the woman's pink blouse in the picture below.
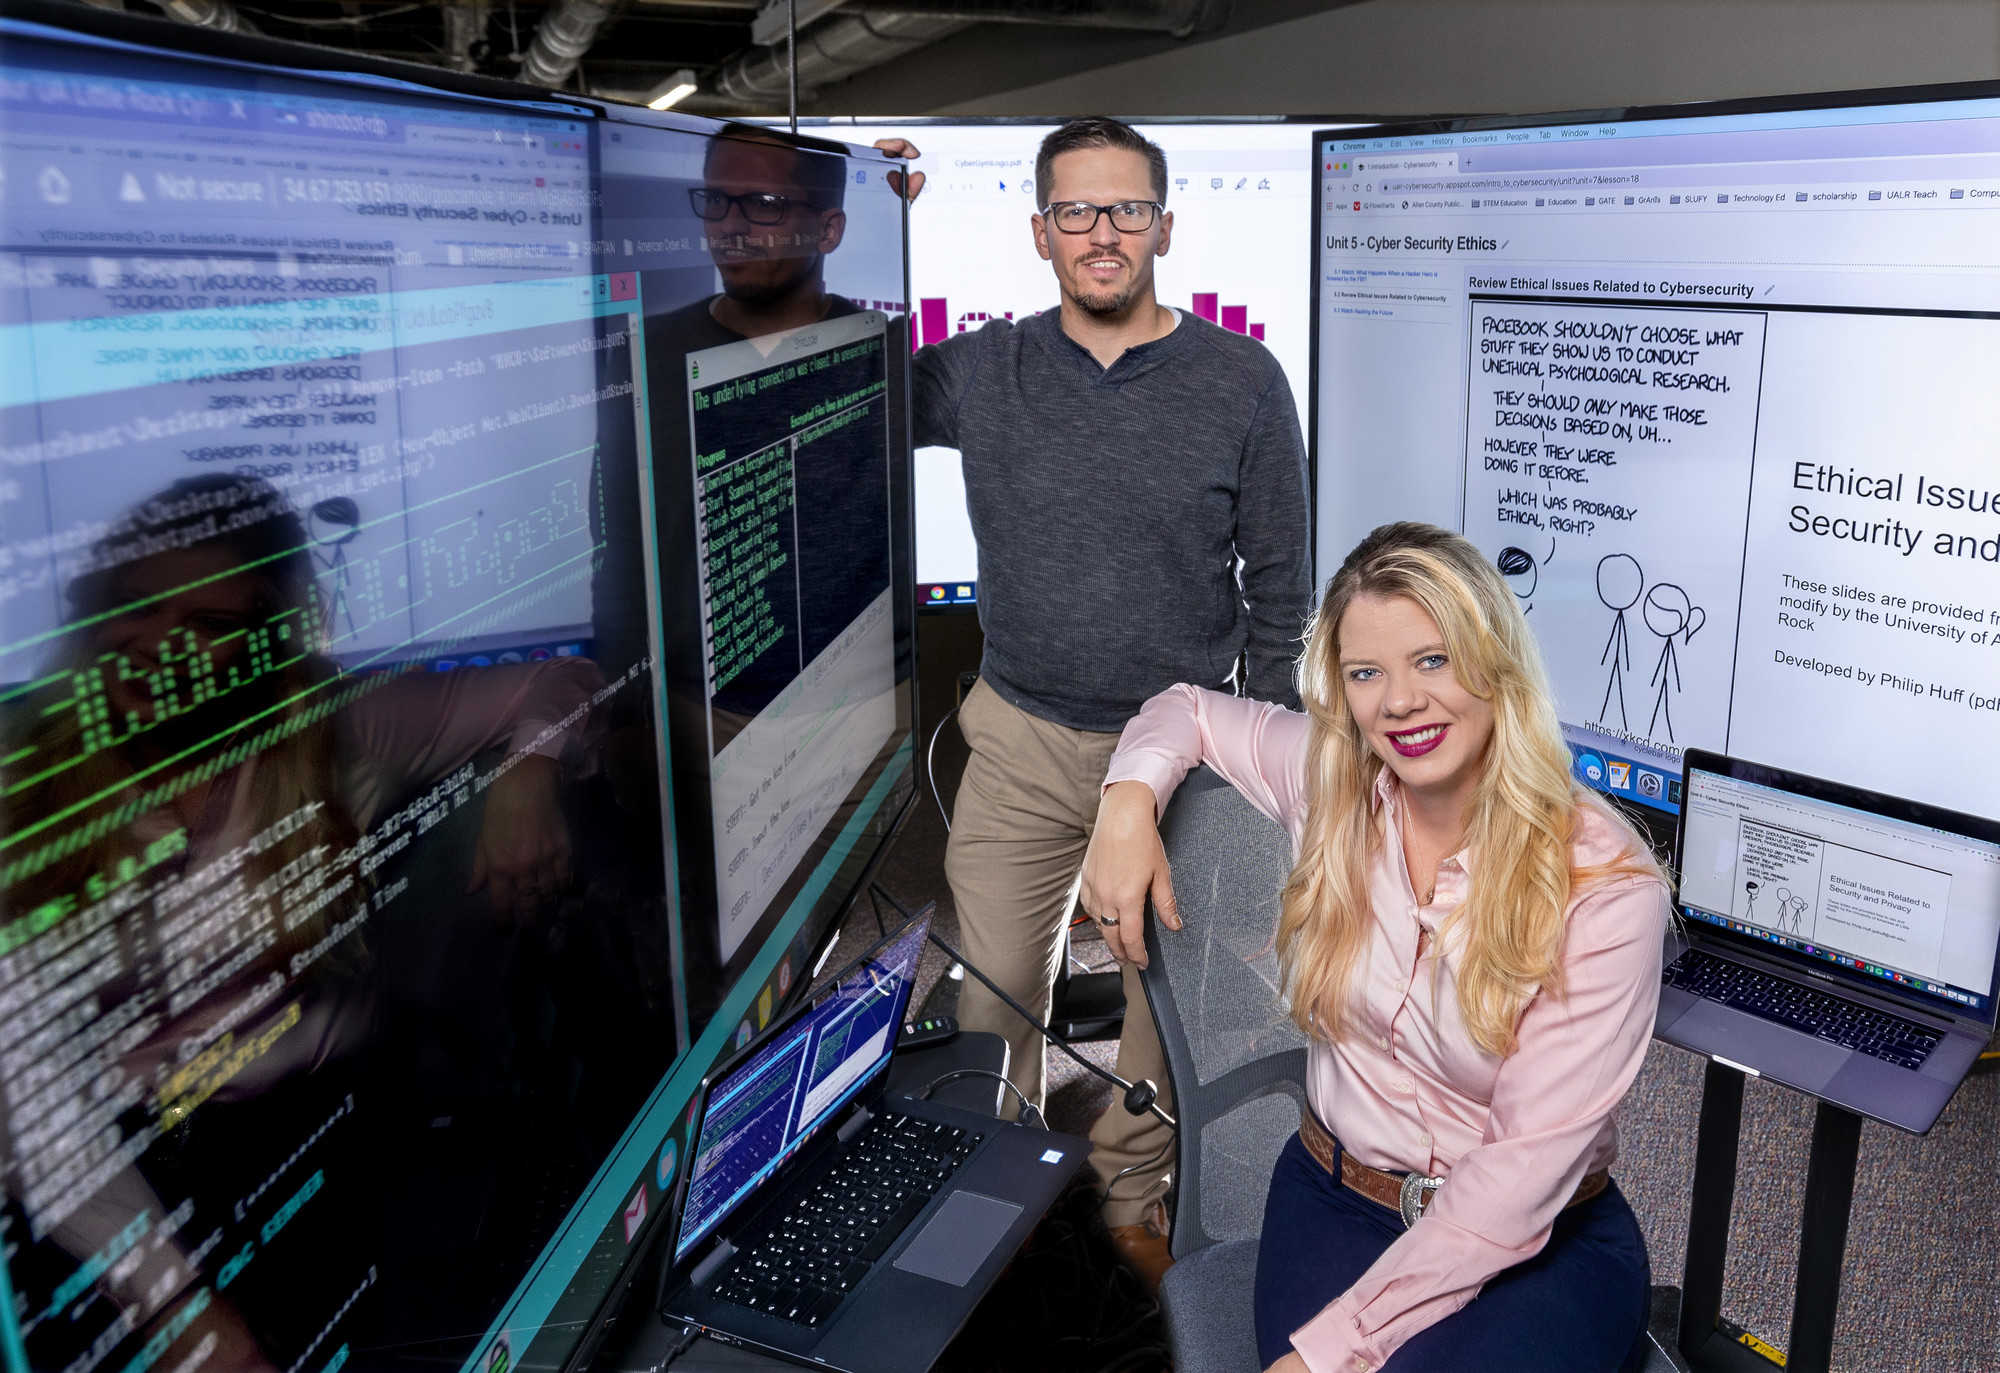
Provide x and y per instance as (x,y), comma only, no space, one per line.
(1406,1089)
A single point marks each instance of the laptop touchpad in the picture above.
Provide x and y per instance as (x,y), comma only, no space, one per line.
(1790,1056)
(958,1238)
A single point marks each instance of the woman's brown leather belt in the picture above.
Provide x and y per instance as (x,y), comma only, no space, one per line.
(1404,1193)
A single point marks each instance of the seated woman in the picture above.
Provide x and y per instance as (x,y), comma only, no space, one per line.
(1472,943)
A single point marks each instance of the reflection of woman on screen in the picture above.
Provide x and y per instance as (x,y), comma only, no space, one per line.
(194,675)
(192,700)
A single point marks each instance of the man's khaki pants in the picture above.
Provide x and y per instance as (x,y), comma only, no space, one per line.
(1019,829)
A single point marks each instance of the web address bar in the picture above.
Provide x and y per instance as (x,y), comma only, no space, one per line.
(1514,183)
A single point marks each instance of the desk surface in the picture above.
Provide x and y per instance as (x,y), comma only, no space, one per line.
(638,1340)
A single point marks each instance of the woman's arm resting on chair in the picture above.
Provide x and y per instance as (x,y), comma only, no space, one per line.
(1125,863)
(1254,745)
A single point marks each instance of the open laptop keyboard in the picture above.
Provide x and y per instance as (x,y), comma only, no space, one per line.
(1846,1023)
(806,1264)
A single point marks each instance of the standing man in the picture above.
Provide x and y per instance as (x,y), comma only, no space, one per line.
(1137,486)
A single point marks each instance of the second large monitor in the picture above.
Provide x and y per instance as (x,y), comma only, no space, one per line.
(1240,193)
(1712,386)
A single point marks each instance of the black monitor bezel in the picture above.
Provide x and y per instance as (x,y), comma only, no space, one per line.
(1975,827)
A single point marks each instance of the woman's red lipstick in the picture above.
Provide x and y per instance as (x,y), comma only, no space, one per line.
(1415,743)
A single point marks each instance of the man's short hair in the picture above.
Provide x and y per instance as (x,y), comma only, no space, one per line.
(821,174)
(1098,132)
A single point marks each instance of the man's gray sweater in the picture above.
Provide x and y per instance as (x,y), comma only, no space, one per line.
(1111,505)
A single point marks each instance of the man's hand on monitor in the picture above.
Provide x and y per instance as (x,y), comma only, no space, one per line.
(523,856)
(1124,864)
(902,147)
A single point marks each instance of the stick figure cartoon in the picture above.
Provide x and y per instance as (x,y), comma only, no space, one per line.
(334,523)
(1792,911)
(1518,566)
(1752,888)
(1670,615)
(1620,583)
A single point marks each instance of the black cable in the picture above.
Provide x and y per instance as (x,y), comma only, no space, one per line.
(680,1346)
(1001,1078)
(1140,1097)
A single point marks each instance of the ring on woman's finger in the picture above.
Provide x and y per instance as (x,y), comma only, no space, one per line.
(1107,920)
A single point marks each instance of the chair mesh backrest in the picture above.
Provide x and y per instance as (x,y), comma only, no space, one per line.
(1236,1060)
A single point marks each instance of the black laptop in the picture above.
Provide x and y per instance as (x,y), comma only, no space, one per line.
(1835,940)
(828,1222)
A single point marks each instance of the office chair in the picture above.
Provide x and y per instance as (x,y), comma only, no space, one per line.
(1238,1068)
(1237,1063)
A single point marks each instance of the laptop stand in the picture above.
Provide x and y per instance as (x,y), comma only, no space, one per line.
(1708,1342)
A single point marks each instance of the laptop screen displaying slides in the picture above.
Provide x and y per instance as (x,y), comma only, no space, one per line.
(770,1104)
(1913,908)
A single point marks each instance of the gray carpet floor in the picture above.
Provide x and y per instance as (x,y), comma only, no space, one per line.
(1922,1278)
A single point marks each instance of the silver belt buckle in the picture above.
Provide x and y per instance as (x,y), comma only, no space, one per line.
(1416,1194)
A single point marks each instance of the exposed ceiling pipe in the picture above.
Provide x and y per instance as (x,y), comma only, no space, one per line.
(1177,17)
(464,25)
(837,48)
(868,33)
(219,15)
(566,32)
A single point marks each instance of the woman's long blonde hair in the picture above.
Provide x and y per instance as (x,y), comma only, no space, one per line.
(1523,814)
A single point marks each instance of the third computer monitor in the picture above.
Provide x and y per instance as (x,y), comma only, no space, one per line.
(1712,387)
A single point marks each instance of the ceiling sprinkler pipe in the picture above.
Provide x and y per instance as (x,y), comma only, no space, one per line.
(564,36)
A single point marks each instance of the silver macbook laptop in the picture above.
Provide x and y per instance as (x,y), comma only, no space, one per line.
(1835,940)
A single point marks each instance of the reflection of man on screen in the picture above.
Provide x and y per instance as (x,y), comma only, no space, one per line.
(770,212)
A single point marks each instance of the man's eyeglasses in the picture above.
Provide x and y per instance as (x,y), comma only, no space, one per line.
(759,207)
(1080,216)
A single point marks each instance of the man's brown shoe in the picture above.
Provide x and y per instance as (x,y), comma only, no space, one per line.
(1142,1248)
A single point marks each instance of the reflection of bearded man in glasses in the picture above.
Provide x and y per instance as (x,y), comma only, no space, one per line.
(771,213)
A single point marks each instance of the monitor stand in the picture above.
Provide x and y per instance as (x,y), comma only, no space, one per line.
(1708,1342)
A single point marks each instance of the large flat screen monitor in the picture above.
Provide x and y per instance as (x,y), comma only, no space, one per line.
(1241,195)
(454,663)
(1712,385)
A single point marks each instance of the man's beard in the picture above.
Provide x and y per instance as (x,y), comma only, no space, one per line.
(1105,303)
(799,272)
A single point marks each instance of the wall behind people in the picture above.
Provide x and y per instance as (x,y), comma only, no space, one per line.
(1429,56)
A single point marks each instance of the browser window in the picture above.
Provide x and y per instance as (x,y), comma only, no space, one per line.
(1711,391)
(1902,903)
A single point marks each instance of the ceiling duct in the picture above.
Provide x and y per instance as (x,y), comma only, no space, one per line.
(868,33)
(566,32)
(838,48)
(219,15)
